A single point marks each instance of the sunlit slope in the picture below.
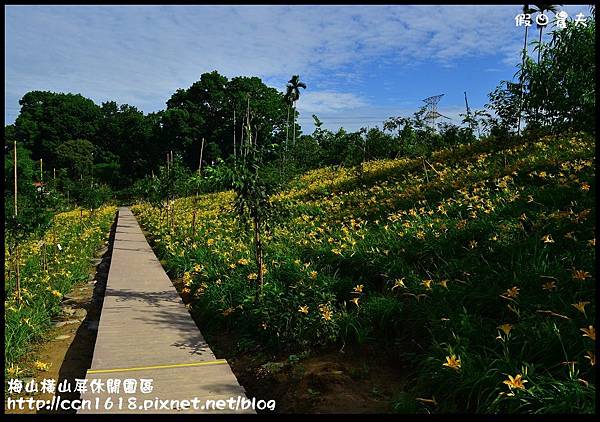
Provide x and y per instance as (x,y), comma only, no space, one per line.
(484,252)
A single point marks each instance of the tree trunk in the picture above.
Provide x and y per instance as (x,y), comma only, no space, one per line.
(234,146)
(521,80)
(15,166)
(287,126)
(294,124)
(540,45)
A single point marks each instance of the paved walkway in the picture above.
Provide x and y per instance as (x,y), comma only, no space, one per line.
(145,331)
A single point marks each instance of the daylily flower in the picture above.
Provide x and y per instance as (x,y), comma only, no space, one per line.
(589,332)
(452,362)
(548,239)
(516,382)
(580,306)
(591,356)
(399,283)
(580,275)
(506,328)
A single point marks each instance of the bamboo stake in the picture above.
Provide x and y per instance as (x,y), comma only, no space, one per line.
(194,222)
(15,166)
(234,145)
(242,140)
(201,152)
(17,272)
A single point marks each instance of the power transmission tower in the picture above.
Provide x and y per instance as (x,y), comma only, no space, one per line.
(432,113)
(469,118)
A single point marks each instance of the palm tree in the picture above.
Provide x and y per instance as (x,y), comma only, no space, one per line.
(526,11)
(542,9)
(293,89)
(287,98)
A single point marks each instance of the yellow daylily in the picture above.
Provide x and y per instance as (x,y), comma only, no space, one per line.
(453,362)
(589,332)
(41,366)
(591,356)
(580,306)
(516,382)
(399,283)
(549,285)
(512,293)
(548,239)
(506,328)
(580,275)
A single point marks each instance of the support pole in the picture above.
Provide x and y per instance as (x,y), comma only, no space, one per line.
(15,166)
(201,152)
(234,144)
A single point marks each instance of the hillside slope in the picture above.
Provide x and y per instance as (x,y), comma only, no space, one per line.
(475,264)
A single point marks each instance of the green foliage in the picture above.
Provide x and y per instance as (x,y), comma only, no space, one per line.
(423,262)
(77,156)
(51,262)
(560,89)
(556,92)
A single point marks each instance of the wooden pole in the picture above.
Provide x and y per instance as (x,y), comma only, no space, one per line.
(15,166)
(201,152)
(194,222)
(54,172)
(234,153)
(17,273)
(41,171)
(242,138)
(17,270)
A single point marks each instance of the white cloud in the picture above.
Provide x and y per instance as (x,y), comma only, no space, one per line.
(141,55)
(328,102)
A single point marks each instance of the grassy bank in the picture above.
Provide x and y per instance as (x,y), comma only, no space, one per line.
(475,264)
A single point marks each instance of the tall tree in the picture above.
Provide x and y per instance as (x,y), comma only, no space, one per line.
(288,101)
(527,10)
(293,90)
(542,8)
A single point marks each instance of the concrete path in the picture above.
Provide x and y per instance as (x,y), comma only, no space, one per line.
(146,332)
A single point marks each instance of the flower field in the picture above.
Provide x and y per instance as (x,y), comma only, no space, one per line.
(48,268)
(475,264)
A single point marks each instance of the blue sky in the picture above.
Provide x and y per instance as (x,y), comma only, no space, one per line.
(362,64)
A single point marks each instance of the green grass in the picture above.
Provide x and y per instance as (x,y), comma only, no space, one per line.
(70,244)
